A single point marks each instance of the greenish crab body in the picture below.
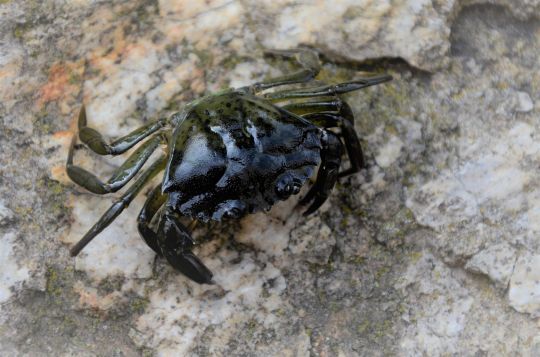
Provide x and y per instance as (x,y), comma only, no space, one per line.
(234,153)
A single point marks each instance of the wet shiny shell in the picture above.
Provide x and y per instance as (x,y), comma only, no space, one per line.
(235,154)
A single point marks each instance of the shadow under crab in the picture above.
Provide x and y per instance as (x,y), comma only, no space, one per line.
(229,154)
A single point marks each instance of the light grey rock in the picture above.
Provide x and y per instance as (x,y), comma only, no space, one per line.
(442,310)
(389,153)
(313,241)
(496,261)
(525,103)
(6,214)
(524,292)
(12,275)
(359,30)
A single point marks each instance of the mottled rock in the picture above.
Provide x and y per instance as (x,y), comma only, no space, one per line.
(177,315)
(496,261)
(119,249)
(524,102)
(524,291)
(389,153)
(12,275)
(359,30)
(6,214)
(440,317)
(313,241)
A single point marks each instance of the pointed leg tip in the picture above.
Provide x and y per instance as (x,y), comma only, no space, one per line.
(315,206)
(73,252)
(379,79)
(204,278)
(82,117)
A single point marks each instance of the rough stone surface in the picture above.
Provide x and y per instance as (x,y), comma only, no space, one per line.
(496,261)
(524,291)
(433,250)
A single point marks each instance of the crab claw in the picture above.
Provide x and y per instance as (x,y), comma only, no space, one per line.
(176,243)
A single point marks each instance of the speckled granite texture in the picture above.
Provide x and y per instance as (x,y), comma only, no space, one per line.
(434,250)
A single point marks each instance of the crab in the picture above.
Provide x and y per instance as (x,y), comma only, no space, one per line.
(229,154)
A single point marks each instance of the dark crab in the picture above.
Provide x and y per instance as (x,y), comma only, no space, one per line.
(229,154)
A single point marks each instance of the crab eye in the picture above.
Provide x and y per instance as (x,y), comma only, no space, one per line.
(287,191)
(234,209)
(233,212)
(287,186)
(283,189)
(297,185)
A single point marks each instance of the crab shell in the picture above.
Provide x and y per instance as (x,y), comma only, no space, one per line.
(234,154)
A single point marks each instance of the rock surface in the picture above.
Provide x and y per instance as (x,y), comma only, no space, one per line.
(432,250)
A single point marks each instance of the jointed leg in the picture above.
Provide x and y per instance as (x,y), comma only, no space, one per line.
(352,143)
(120,204)
(152,205)
(328,90)
(301,108)
(344,120)
(122,176)
(334,113)
(328,172)
(94,140)
(308,59)
(328,113)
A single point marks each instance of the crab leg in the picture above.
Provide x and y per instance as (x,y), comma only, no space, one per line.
(328,90)
(122,176)
(352,143)
(314,107)
(118,206)
(345,121)
(94,140)
(308,59)
(152,205)
(334,114)
(328,172)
